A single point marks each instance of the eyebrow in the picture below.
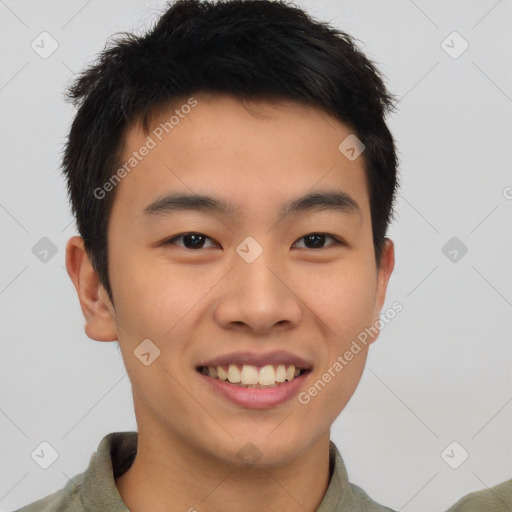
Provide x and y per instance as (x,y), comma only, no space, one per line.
(334,200)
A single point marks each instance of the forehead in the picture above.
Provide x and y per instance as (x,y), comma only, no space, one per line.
(252,154)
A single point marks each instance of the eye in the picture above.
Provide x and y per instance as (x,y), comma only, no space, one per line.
(195,240)
(190,240)
(316,240)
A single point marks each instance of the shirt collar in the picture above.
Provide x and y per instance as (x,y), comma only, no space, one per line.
(117,450)
(114,456)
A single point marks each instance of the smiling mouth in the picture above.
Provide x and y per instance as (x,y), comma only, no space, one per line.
(249,376)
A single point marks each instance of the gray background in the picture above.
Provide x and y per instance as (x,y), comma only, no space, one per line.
(440,371)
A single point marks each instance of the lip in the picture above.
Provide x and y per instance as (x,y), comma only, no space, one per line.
(255,398)
(251,358)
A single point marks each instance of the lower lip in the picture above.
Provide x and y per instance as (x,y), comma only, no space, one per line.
(256,398)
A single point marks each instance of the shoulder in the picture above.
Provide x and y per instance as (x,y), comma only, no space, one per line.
(66,499)
(497,499)
(342,494)
(95,488)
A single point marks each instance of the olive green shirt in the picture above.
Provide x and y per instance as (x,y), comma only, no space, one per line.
(95,490)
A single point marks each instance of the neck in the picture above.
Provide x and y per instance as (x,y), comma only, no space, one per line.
(170,475)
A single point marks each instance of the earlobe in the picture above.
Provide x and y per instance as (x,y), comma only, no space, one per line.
(98,311)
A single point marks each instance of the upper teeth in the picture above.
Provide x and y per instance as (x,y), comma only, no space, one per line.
(248,374)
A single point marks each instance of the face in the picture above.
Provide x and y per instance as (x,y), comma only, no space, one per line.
(251,283)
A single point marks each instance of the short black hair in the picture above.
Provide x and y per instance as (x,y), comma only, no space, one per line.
(249,49)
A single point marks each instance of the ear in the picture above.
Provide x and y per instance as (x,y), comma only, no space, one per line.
(98,311)
(387,265)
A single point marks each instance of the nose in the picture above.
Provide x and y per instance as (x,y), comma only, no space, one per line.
(258,297)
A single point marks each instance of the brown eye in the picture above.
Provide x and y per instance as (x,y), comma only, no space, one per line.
(190,240)
(317,240)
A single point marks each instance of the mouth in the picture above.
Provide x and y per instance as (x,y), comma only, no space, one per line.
(251,376)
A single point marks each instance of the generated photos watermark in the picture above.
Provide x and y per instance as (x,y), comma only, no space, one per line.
(137,156)
(344,359)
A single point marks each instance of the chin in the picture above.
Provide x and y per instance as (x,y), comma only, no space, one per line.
(264,449)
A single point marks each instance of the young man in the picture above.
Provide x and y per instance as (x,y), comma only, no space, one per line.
(233,178)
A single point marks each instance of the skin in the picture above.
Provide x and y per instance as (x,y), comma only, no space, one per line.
(196,304)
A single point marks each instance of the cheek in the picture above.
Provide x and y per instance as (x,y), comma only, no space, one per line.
(342,298)
(330,391)
(342,301)
(148,302)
